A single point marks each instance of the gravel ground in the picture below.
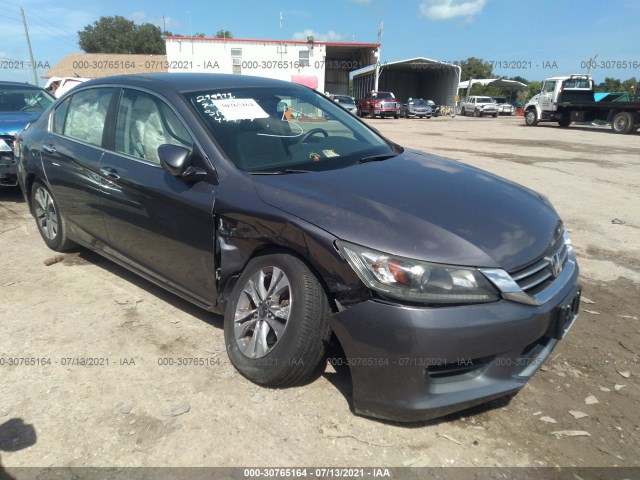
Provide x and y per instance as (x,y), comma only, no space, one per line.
(132,409)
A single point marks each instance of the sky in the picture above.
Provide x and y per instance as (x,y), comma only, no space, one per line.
(533,39)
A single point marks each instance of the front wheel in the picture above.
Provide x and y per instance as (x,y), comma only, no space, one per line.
(276,322)
(495,115)
(564,123)
(51,224)
(531,117)
(623,122)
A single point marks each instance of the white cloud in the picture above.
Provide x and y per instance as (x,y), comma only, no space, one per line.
(138,17)
(447,9)
(329,36)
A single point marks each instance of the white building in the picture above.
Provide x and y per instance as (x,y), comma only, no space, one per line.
(324,66)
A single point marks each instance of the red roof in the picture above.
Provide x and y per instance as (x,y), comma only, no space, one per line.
(297,42)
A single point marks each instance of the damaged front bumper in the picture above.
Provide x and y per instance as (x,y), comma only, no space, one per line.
(418,363)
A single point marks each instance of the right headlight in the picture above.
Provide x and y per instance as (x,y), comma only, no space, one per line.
(417,281)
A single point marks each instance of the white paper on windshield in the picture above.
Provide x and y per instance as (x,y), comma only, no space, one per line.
(239,109)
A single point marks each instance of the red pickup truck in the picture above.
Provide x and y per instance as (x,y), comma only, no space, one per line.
(379,103)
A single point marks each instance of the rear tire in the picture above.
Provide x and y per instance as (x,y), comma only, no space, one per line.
(531,117)
(51,223)
(463,112)
(564,123)
(623,122)
(276,322)
(495,115)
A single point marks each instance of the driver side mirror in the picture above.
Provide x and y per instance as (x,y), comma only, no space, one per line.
(177,161)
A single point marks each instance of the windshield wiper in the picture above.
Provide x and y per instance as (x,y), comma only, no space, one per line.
(377,158)
(284,171)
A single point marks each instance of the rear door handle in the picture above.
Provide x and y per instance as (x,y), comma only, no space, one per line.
(49,148)
(110,172)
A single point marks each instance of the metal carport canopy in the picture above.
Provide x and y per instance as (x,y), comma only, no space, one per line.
(418,77)
(494,82)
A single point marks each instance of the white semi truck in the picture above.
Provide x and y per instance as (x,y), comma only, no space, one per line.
(571,99)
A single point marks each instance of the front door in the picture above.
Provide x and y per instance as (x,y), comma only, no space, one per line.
(157,222)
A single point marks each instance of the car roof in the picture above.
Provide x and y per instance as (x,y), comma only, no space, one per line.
(17,86)
(190,82)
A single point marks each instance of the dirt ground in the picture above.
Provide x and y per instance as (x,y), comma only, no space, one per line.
(132,409)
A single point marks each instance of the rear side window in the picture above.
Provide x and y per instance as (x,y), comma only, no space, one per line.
(59,116)
(87,114)
(143,123)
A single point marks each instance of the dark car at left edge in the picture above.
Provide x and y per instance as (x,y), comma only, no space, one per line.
(445,286)
(20,104)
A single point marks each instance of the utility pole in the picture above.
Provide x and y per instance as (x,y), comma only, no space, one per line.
(164,26)
(33,63)
(377,70)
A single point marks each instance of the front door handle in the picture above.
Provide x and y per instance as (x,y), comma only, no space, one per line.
(110,172)
(49,148)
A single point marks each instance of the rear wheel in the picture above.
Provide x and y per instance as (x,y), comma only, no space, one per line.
(495,115)
(276,322)
(531,117)
(564,123)
(463,112)
(51,224)
(623,122)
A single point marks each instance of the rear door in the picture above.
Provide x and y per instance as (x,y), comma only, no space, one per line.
(158,223)
(71,154)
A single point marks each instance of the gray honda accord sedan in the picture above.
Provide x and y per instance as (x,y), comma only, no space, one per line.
(262,200)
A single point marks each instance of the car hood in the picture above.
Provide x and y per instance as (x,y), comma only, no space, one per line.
(14,122)
(421,206)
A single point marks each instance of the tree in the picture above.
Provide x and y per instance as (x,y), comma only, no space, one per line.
(119,35)
(476,68)
(223,34)
(199,35)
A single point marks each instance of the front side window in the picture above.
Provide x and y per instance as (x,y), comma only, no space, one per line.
(549,87)
(268,129)
(87,114)
(143,123)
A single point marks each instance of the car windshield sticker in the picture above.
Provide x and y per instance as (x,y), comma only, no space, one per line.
(330,153)
(240,109)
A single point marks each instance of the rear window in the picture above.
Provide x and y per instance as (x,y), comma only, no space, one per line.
(577,83)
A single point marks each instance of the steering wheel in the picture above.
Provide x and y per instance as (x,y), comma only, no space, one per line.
(313,132)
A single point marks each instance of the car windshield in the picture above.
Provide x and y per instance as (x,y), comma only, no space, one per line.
(500,100)
(273,129)
(485,100)
(418,103)
(344,99)
(24,100)
(383,96)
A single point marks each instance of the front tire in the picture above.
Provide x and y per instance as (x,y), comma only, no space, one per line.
(564,123)
(623,122)
(531,117)
(276,322)
(51,223)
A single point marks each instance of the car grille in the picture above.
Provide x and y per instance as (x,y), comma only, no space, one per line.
(537,276)
(389,105)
